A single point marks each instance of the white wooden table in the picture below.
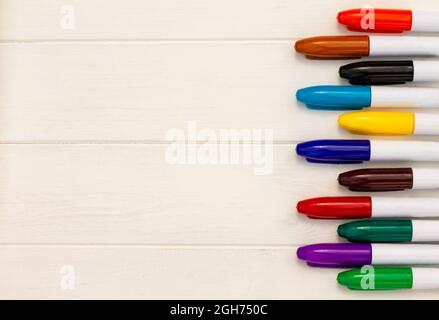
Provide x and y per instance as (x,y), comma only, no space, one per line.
(90,206)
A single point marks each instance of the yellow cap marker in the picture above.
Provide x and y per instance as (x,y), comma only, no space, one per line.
(379,123)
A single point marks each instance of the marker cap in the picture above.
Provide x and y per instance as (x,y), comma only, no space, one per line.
(384,20)
(378,179)
(379,123)
(335,97)
(378,72)
(376,278)
(335,151)
(336,207)
(376,231)
(336,255)
(333,47)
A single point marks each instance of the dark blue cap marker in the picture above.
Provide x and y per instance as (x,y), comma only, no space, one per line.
(335,151)
(336,97)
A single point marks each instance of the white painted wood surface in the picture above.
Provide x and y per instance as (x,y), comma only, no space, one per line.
(136,272)
(84,179)
(171,19)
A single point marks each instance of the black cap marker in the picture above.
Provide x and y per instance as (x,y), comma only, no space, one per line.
(378,72)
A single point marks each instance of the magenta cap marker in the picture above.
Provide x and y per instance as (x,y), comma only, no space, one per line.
(337,255)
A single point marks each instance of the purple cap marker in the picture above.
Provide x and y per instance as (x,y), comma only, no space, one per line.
(336,255)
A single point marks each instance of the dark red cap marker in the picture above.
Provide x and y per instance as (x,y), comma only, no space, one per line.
(377,179)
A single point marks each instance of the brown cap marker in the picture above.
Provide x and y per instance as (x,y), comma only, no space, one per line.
(334,47)
(385,179)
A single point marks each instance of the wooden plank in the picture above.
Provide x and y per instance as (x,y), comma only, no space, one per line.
(37,272)
(140,91)
(130,194)
(35,20)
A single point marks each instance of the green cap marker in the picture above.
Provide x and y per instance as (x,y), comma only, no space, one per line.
(390,231)
(371,278)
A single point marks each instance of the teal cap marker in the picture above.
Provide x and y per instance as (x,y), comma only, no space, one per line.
(377,231)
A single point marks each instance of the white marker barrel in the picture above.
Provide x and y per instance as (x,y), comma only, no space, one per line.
(403,46)
(392,207)
(423,21)
(425,278)
(425,71)
(425,231)
(426,124)
(425,178)
(404,254)
(397,97)
(404,150)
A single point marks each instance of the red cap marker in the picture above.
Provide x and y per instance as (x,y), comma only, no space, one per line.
(389,20)
(368,207)
(336,207)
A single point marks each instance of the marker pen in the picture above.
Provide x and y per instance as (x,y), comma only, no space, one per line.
(379,278)
(390,72)
(369,207)
(359,97)
(357,151)
(341,255)
(389,20)
(377,230)
(390,123)
(390,179)
(349,47)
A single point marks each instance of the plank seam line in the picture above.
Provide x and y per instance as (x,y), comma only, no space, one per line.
(146,142)
(155,246)
(150,41)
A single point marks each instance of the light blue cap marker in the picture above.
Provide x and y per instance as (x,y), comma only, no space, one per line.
(336,97)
